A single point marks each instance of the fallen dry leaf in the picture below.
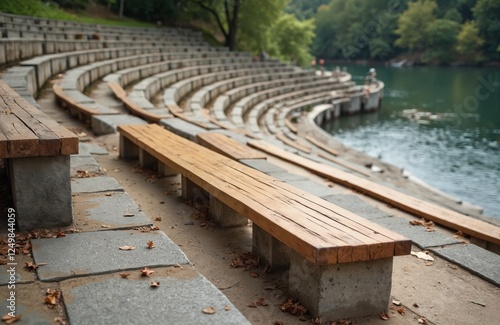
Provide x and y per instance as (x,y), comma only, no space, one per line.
(60,321)
(261,302)
(146,272)
(158,219)
(415,305)
(422,255)
(155,228)
(293,307)
(128,214)
(30,266)
(105,226)
(227,308)
(247,260)
(60,233)
(401,310)
(396,302)
(124,275)
(126,248)
(109,194)
(254,274)
(52,297)
(155,284)
(8,319)
(151,244)
(209,310)
(422,320)
(383,315)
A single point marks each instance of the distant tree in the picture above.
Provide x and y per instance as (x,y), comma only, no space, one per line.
(453,15)
(469,42)
(304,9)
(441,39)
(292,39)
(413,23)
(487,18)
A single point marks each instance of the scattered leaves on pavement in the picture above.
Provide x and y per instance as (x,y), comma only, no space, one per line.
(258,302)
(30,266)
(124,275)
(401,310)
(422,320)
(52,297)
(151,244)
(60,233)
(209,310)
(126,248)
(155,284)
(429,225)
(8,319)
(383,315)
(247,260)
(158,218)
(293,307)
(146,272)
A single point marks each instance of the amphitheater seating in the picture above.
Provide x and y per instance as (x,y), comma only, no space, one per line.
(36,152)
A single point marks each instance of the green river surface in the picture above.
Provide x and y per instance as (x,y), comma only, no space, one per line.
(456,149)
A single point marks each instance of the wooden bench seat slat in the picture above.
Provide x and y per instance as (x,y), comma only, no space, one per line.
(430,211)
(21,142)
(227,146)
(289,214)
(28,132)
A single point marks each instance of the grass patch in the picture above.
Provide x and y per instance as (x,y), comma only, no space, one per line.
(37,8)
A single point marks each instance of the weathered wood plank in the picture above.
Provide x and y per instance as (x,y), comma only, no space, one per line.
(299,146)
(23,121)
(430,211)
(21,141)
(317,229)
(228,147)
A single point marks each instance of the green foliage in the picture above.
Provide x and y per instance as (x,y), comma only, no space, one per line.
(38,8)
(352,29)
(413,23)
(469,42)
(453,15)
(305,9)
(151,10)
(441,38)
(486,15)
(291,39)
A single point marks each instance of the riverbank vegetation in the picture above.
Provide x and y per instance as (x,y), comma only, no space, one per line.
(421,31)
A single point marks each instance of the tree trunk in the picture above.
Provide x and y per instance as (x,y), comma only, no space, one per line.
(232,21)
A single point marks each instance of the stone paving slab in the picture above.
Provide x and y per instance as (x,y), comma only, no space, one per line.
(30,304)
(106,124)
(87,149)
(263,165)
(481,262)
(180,299)
(418,234)
(358,206)
(85,163)
(95,185)
(101,211)
(314,188)
(92,253)
(182,128)
(288,177)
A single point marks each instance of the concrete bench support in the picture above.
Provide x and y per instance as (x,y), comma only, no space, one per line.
(341,290)
(273,252)
(223,215)
(146,160)
(128,149)
(41,188)
(165,170)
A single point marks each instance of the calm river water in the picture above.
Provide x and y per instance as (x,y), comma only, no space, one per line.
(442,124)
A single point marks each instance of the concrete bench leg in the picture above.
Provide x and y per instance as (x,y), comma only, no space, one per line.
(146,160)
(271,251)
(165,170)
(128,149)
(343,290)
(41,189)
(223,215)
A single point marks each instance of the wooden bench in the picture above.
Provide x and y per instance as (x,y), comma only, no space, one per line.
(36,151)
(345,260)
(485,232)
